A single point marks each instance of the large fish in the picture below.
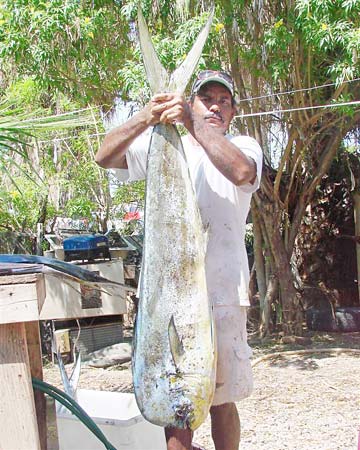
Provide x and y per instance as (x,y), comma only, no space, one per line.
(174,351)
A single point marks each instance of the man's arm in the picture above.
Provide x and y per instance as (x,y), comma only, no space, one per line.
(235,165)
(112,152)
(171,108)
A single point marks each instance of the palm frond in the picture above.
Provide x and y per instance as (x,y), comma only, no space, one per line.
(5,170)
(17,127)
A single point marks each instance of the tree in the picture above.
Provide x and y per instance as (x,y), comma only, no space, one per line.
(76,48)
(292,46)
(287,47)
(277,51)
(40,162)
(354,168)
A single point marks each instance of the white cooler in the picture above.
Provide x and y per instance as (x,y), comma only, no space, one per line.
(118,417)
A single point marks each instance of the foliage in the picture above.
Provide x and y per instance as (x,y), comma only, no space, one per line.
(128,193)
(40,161)
(331,28)
(57,55)
(291,48)
(22,117)
(328,256)
(20,210)
(79,207)
(73,47)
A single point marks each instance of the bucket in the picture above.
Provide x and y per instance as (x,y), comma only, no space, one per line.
(118,417)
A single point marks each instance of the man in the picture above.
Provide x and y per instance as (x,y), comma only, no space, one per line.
(225,171)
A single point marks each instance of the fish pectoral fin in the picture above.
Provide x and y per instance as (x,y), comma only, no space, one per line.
(176,345)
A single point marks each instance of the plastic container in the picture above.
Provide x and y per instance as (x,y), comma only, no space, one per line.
(118,417)
(87,247)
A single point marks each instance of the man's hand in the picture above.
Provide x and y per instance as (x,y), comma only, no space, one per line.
(168,108)
(162,108)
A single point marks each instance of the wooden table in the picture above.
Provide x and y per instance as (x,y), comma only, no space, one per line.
(22,413)
(25,299)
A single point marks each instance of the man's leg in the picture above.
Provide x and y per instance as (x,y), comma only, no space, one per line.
(225,426)
(178,439)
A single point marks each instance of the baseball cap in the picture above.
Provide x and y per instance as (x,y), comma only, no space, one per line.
(218,76)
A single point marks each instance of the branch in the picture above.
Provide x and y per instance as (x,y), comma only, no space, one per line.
(324,164)
(328,124)
(293,135)
(317,116)
(296,163)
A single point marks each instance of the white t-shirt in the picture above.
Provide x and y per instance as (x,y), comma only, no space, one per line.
(224,208)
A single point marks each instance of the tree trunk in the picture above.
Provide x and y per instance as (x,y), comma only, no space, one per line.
(289,297)
(356,197)
(291,309)
(271,293)
(259,257)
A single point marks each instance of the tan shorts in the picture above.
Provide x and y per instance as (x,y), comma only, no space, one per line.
(234,380)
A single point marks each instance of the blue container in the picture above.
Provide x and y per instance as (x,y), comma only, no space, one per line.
(86,247)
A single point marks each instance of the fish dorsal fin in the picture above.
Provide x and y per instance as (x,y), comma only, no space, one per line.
(176,345)
(182,75)
(158,77)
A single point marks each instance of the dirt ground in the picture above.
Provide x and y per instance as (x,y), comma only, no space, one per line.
(304,401)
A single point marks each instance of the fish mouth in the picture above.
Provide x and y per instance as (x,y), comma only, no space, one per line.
(184,413)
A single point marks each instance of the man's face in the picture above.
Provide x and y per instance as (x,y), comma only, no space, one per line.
(214,103)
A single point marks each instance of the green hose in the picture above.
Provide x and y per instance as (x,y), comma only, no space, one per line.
(74,407)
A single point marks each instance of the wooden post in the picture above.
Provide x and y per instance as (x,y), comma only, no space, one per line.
(19,428)
(39,238)
(22,412)
(23,298)
(34,352)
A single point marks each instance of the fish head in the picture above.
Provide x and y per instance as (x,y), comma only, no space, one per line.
(184,413)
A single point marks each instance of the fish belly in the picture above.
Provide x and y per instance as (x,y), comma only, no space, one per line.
(174,351)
